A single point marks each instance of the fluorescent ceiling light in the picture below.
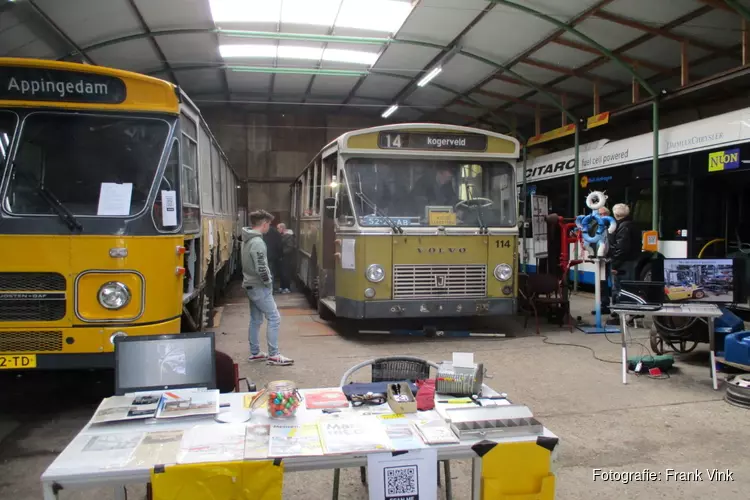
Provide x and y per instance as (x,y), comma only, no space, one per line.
(350,56)
(247,50)
(372,15)
(429,76)
(245,11)
(297,52)
(388,112)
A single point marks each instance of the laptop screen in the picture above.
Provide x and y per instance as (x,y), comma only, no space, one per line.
(164,362)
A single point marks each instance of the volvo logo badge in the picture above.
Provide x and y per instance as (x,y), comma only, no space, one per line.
(440,281)
(441,250)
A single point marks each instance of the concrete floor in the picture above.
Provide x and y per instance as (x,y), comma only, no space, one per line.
(679,423)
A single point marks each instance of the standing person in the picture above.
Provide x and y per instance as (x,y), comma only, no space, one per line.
(258,283)
(606,294)
(272,238)
(625,248)
(287,257)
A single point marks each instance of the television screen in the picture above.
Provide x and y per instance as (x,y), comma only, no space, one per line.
(699,280)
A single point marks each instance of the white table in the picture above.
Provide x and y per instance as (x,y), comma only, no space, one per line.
(60,475)
(708,311)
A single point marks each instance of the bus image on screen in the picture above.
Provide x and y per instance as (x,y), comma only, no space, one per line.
(702,280)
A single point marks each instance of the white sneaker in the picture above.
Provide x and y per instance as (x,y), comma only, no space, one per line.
(279,360)
(261,356)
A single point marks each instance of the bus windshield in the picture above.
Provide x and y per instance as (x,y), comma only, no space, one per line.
(431,193)
(79,159)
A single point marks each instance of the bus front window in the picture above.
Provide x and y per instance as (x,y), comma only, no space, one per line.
(73,155)
(432,193)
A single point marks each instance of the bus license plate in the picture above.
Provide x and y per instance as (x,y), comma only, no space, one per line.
(17,361)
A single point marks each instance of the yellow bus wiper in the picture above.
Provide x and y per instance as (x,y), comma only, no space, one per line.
(394,226)
(54,202)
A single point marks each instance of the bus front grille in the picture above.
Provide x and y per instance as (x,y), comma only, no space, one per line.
(37,282)
(32,296)
(445,281)
(30,341)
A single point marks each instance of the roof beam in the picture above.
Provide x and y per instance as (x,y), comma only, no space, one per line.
(718,5)
(642,63)
(152,41)
(570,72)
(619,50)
(319,64)
(444,52)
(506,97)
(739,9)
(49,22)
(543,86)
(631,23)
(495,74)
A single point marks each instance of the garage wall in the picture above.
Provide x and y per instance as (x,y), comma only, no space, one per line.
(271,149)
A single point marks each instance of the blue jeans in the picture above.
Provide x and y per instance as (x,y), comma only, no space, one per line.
(262,304)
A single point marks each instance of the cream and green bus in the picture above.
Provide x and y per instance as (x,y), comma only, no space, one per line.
(409,221)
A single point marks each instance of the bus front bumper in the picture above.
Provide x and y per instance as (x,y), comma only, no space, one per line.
(429,308)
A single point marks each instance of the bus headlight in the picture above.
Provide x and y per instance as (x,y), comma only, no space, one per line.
(114,295)
(503,272)
(375,273)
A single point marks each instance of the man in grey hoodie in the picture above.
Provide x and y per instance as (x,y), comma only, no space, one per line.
(258,283)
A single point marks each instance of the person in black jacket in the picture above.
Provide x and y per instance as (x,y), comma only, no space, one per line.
(275,252)
(435,189)
(625,248)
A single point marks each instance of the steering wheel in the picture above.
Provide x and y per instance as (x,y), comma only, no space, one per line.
(474,202)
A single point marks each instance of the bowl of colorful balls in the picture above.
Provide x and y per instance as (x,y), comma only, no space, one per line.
(281,397)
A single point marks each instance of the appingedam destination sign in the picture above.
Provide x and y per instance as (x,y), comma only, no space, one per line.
(430,141)
(39,84)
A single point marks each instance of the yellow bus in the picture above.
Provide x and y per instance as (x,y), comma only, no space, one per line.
(119,213)
(409,221)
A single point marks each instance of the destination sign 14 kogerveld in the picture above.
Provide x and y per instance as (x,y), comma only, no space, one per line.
(430,141)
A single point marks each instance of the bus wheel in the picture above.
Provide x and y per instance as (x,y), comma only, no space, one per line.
(699,294)
(645,274)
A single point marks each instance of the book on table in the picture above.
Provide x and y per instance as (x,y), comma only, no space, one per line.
(132,407)
(320,399)
(353,434)
(188,403)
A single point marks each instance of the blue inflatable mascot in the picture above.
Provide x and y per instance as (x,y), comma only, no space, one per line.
(596,245)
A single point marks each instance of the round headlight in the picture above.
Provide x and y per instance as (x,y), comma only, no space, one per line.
(375,273)
(503,272)
(369,292)
(114,295)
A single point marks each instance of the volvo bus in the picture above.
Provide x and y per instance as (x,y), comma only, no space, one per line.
(704,186)
(118,212)
(409,221)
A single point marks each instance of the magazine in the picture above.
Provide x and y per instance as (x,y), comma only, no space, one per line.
(188,402)
(101,451)
(359,434)
(294,440)
(212,443)
(117,408)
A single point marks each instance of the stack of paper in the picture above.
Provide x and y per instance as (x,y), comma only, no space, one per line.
(348,435)
(212,443)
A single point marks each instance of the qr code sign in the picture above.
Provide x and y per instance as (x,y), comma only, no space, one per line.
(401,482)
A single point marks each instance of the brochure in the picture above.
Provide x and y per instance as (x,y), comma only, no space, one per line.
(117,408)
(401,431)
(188,402)
(100,451)
(294,440)
(212,443)
(348,435)
(157,448)
(256,441)
(436,432)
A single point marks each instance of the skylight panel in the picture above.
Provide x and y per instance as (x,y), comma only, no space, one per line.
(245,11)
(373,15)
(317,12)
(350,56)
(293,52)
(247,50)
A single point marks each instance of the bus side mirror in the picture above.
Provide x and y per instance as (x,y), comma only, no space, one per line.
(329,205)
